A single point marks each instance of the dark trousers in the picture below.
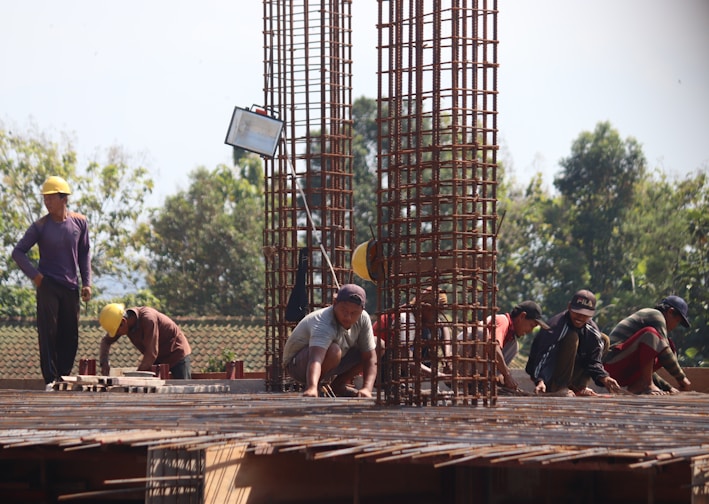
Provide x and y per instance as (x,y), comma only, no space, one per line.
(567,374)
(58,328)
(182,370)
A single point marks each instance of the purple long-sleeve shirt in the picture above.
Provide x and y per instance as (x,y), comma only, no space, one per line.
(64,247)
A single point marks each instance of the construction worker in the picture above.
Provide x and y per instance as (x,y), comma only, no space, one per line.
(334,343)
(424,321)
(508,328)
(640,345)
(62,237)
(154,334)
(419,319)
(566,356)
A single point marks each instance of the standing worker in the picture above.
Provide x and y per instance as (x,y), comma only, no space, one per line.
(62,237)
(154,334)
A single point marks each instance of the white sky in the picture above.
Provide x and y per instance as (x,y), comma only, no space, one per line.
(160,78)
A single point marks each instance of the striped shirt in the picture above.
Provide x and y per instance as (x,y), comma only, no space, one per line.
(649,317)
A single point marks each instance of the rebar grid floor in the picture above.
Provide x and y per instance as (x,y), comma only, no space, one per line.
(627,432)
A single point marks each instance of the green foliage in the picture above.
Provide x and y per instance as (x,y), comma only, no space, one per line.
(598,187)
(218,364)
(26,160)
(205,244)
(364,147)
(630,236)
(143,297)
(113,197)
(16,302)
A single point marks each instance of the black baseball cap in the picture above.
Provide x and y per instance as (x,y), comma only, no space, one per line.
(680,306)
(352,293)
(533,312)
(583,302)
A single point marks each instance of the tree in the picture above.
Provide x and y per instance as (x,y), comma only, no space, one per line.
(364,149)
(693,274)
(112,196)
(26,160)
(205,244)
(598,185)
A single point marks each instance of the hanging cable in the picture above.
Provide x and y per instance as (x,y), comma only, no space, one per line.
(318,236)
(316,233)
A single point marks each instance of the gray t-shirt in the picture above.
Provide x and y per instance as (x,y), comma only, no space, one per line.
(320,329)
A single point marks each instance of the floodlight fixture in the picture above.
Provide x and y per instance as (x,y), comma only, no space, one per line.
(254,131)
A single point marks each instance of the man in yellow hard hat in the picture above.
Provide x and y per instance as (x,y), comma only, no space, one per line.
(154,334)
(63,240)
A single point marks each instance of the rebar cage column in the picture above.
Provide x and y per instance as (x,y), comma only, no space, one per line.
(308,84)
(437,172)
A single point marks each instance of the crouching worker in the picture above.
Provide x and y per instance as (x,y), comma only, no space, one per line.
(509,327)
(564,358)
(335,343)
(154,334)
(640,345)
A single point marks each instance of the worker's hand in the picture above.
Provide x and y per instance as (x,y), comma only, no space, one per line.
(612,385)
(310,392)
(38,280)
(363,392)
(685,384)
(509,382)
(540,388)
(85,294)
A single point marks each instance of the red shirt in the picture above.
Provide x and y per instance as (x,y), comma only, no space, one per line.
(506,337)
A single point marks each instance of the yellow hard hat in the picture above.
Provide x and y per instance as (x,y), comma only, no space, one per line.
(111,317)
(367,262)
(55,185)
(359,261)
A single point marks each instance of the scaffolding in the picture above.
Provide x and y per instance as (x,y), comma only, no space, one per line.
(437,174)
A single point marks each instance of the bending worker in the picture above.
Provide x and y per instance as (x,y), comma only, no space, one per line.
(640,345)
(154,334)
(566,356)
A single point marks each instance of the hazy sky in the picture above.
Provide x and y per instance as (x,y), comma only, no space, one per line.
(160,78)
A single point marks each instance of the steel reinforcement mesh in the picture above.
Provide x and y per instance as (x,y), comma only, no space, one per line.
(437,203)
(437,173)
(309,200)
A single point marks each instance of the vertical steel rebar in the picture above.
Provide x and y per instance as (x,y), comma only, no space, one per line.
(437,174)
(437,198)
(309,200)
